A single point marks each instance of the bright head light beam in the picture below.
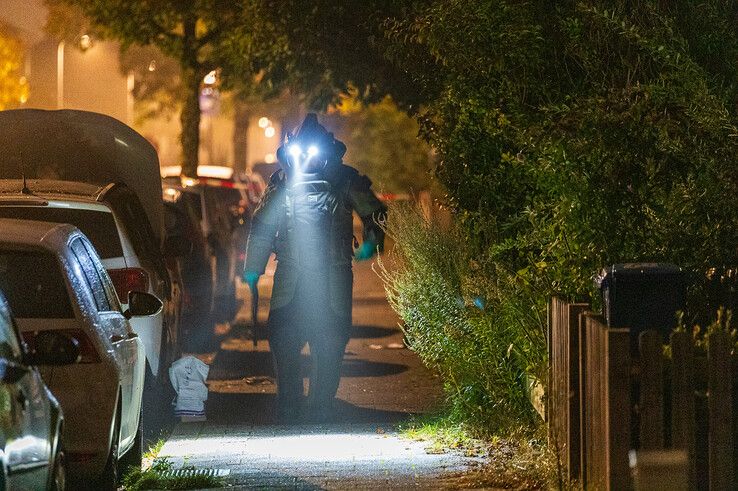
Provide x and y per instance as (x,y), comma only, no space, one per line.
(295,150)
(313,151)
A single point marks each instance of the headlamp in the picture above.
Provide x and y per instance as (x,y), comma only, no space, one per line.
(295,151)
(301,158)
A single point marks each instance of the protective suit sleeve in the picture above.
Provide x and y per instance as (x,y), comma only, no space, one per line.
(264,225)
(371,210)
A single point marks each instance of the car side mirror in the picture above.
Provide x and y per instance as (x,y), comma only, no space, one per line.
(54,348)
(142,304)
(11,372)
(177,246)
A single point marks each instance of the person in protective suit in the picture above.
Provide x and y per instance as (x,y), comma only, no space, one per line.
(305,217)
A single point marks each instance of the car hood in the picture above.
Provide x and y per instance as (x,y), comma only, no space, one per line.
(81,146)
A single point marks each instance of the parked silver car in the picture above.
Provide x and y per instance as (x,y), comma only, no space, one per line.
(55,282)
(31,421)
(100,175)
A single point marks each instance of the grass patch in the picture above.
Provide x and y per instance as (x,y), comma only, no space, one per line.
(443,434)
(520,460)
(154,450)
(157,477)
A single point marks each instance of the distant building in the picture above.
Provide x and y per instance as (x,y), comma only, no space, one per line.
(63,76)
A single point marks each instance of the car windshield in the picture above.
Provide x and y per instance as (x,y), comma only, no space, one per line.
(33,284)
(98,226)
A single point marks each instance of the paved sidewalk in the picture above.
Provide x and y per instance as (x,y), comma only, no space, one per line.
(382,384)
(310,457)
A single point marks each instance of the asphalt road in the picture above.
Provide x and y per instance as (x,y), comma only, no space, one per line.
(382,384)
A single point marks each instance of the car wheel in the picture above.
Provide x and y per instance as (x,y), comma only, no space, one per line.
(59,472)
(134,456)
(108,480)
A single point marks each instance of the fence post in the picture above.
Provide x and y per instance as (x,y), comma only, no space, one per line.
(682,400)
(651,404)
(584,421)
(720,407)
(606,402)
(618,408)
(564,385)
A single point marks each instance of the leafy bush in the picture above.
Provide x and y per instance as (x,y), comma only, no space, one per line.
(468,323)
(569,136)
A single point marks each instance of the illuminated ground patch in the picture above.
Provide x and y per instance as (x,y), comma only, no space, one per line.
(311,457)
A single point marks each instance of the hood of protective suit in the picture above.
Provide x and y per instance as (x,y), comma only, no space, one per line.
(309,134)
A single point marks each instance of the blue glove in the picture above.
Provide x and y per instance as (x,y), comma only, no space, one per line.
(365,251)
(251,278)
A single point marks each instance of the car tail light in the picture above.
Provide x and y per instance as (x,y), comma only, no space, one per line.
(87,350)
(129,280)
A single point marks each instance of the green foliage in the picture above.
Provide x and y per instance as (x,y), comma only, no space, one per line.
(156,477)
(382,142)
(482,354)
(570,136)
(332,47)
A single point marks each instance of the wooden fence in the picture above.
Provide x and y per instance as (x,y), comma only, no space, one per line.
(563,394)
(677,402)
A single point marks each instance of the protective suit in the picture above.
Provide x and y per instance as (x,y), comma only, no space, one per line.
(305,217)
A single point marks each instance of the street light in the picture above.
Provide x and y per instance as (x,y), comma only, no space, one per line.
(210,78)
(85,42)
(60,75)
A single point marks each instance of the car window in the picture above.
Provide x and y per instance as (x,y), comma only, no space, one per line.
(91,275)
(34,285)
(9,346)
(99,226)
(107,283)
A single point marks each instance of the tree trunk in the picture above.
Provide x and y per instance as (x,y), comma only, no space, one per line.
(190,120)
(190,117)
(240,136)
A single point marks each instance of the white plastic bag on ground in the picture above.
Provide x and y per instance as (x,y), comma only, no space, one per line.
(188,375)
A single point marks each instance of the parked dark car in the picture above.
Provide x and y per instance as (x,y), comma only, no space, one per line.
(31,422)
(190,269)
(223,204)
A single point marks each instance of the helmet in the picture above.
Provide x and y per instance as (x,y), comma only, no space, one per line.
(310,148)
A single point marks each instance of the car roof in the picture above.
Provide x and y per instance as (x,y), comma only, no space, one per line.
(81,146)
(51,236)
(50,188)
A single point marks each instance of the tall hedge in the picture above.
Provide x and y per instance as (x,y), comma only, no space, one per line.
(576,134)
